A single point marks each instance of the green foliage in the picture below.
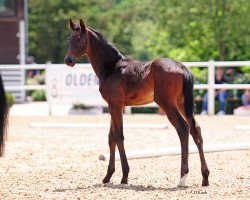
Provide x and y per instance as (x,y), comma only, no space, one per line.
(10,99)
(38,95)
(194,30)
(81,106)
(200,75)
(235,75)
(245,69)
(38,79)
(48,31)
(148,110)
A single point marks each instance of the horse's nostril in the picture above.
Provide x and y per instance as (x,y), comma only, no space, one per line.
(68,60)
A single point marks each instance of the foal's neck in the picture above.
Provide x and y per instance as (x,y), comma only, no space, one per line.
(102,55)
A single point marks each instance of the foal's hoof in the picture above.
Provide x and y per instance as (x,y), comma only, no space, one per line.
(205,182)
(124,181)
(105,180)
(182,181)
(205,175)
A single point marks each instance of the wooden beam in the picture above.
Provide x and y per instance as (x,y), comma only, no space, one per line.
(150,153)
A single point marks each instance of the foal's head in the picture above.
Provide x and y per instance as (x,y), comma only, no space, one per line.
(77,43)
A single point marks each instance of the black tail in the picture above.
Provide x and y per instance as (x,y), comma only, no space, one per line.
(188,86)
(3,116)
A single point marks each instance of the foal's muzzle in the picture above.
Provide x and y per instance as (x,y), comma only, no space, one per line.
(70,61)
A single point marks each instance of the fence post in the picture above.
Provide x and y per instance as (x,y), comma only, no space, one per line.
(211,92)
(21,55)
(47,64)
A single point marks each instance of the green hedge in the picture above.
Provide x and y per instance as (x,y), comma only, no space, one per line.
(38,95)
(10,99)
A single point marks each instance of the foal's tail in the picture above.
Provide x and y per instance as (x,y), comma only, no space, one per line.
(3,116)
(188,86)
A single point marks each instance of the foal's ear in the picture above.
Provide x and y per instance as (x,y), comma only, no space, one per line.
(82,25)
(71,24)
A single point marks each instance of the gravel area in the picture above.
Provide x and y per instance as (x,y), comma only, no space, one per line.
(49,163)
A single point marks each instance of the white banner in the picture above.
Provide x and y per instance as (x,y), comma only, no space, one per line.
(74,85)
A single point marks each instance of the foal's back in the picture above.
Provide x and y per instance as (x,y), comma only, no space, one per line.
(139,78)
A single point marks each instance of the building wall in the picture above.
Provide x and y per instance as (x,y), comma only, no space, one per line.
(11,12)
(9,42)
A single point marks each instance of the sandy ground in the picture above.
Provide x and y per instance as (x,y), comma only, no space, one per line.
(52,163)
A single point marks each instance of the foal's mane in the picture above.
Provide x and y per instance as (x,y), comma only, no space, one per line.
(107,45)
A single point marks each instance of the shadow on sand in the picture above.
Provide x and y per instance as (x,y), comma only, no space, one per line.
(138,187)
(124,187)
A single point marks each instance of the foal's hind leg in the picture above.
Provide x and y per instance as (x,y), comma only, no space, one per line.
(195,131)
(196,134)
(182,129)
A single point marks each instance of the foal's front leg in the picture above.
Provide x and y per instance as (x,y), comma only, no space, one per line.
(117,125)
(112,145)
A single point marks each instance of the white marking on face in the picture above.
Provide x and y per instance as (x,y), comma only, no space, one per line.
(182,181)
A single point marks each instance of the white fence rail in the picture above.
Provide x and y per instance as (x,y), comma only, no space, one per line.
(210,86)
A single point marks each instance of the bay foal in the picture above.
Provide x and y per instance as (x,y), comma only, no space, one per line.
(128,82)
